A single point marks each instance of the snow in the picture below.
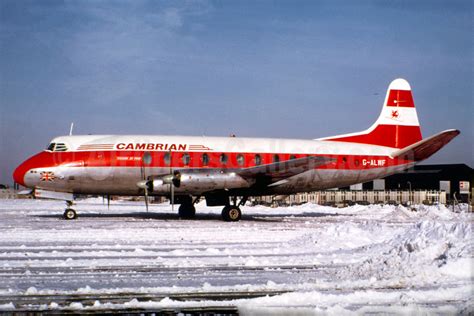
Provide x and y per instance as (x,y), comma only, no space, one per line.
(6,307)
(310,258)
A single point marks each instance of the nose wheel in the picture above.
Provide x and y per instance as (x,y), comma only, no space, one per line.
(69,214)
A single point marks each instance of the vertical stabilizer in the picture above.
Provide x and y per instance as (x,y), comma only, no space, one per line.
(397,125)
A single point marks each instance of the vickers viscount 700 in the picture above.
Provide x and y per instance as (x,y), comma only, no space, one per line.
(228,170)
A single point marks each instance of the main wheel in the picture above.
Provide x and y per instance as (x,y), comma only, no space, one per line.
(231,213)
(69,214)
(187,211)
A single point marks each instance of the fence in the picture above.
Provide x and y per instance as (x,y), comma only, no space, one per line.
(360,197)
(331,197)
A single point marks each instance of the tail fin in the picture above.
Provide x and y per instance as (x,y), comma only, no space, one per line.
(397,125)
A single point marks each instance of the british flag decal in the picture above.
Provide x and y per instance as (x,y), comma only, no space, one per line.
(47,176)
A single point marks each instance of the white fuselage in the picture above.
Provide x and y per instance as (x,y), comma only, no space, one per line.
(111,164)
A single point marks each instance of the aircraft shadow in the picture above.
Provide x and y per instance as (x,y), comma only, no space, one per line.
(199,217)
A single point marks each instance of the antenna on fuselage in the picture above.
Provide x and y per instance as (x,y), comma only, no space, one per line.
(70,130)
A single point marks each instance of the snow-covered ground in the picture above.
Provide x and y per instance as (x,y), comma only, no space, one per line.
(309,258)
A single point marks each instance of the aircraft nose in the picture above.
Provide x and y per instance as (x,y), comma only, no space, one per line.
(19,174)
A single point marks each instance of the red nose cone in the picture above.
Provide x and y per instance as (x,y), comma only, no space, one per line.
(19,174)
(41,160)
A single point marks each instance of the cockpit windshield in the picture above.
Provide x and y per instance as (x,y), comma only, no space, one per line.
(57,147)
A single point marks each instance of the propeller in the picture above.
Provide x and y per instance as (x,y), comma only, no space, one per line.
(171,184)
(147,185)
(143,184)
(108,201)
(146,160)
(146,198)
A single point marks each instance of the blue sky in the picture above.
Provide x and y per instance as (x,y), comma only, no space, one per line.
(293,69)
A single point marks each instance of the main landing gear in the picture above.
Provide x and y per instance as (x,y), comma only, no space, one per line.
(187,209)
(69,213)
(232,213)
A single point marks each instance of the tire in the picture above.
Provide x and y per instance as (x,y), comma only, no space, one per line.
(187,211)
(70,214)
(231,214)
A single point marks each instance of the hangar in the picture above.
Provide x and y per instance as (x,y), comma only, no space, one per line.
(427,184)
(444,177)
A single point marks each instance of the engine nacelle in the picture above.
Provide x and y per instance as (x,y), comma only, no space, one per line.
(195,182)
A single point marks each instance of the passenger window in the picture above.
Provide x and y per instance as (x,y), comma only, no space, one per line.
(258,159)
(205,159)
(292,157)
(223,159)
(276,158)
(186,159)
(167,159)
(240,159)
(146,159)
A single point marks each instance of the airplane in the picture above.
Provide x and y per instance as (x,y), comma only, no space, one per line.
(226,171)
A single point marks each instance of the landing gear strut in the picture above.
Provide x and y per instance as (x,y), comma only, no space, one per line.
(232,213)
(69,213)
(187,209)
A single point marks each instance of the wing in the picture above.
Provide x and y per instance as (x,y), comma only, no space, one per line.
(285,169)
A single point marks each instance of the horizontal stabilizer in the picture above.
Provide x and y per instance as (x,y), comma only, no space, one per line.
(426,147)
(285,169)
(25,192)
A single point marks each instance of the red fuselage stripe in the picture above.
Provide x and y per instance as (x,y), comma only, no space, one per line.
(178,160)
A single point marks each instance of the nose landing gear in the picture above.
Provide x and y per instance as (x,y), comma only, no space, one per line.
(69,213)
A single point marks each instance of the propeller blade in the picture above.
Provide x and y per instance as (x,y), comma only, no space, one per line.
(172,197)
(144,183)
(171,184)
(146,199)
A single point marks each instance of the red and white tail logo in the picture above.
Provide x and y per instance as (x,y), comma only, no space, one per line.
(397,125)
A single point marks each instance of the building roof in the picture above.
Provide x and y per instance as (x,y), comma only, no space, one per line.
(452,169)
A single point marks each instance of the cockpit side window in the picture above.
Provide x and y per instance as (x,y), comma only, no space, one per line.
(57,147)
(60,147)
